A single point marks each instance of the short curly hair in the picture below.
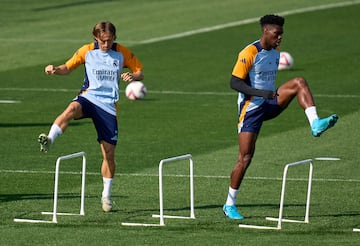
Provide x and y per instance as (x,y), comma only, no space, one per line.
(272,20)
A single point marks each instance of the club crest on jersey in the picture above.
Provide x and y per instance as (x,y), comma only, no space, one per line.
(115,63)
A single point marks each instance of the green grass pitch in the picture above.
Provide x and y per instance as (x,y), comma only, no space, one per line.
(189,108)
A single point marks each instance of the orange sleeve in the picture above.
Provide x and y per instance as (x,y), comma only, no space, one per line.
(79,57)
(130,60)
(245,61)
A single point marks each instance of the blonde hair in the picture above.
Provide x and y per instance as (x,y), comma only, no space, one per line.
(104,27)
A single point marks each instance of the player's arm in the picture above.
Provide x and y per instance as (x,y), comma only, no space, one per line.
(241,86)
(132,63)
(76,60)
(60,70)
(128,77)
(241,70)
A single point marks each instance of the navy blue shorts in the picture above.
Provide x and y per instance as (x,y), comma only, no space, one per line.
(252,120)
(105,124)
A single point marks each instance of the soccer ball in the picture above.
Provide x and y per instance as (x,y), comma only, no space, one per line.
(286,61)
(135,90)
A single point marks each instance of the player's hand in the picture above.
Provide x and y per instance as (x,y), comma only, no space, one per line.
(270,94)
(50,69)
(275,94)
(127,77)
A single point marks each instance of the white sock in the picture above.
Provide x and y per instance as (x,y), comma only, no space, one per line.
(231,198)
(107,187)
(311,114)
(54,132)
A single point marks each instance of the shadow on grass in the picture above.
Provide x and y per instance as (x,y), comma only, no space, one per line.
(69,5)
(10,125)
(22,197)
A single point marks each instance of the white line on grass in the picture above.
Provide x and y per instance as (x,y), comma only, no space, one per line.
(247,21)
(9,101)
(178,176)
(197,93)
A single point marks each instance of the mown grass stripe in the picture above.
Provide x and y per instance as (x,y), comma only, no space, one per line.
(178,176)
(170,92)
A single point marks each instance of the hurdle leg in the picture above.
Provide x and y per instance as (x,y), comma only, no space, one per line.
(308,197)
(192,202)
(82,202)
(57,170)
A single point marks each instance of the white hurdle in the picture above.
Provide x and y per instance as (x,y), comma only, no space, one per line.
(307,210)
(356,229)
(161,197)
(54,213)
(280,219)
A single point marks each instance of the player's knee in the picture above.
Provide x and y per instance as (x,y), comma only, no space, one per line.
(73,111)
(300,82)
(244,160)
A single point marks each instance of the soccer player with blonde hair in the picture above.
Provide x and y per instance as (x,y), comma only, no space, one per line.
(104,61)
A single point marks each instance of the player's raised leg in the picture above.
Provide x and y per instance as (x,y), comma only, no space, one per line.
(298,87)
(73,111)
